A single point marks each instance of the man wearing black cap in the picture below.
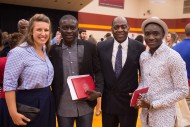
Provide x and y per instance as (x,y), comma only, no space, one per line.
(164,72)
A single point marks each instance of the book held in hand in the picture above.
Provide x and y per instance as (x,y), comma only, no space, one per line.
(136,94)
(78,85)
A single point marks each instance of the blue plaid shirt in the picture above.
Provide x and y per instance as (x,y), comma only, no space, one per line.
(23,62)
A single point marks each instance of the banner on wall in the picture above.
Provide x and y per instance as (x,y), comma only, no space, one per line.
(112,3)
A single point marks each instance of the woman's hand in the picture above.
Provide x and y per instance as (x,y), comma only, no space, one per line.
(19,119)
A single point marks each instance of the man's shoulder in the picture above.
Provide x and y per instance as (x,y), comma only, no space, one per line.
(137,45)
(83,42)
(180,44)
(145,54)
(54,48)
(105,43)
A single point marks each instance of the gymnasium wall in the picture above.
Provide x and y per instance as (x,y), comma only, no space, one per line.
(97,19)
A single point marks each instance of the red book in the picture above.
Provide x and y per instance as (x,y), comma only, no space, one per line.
(136,94)
(78,86)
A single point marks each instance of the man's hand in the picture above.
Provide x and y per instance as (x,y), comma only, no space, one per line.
(142,104)
(93,95)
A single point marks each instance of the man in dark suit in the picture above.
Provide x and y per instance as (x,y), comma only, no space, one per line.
(74,57)
(119,60)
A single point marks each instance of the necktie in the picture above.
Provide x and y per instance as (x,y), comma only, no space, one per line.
(118,62)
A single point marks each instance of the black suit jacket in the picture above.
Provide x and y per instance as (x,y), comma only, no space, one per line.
(88,63)
(116,99)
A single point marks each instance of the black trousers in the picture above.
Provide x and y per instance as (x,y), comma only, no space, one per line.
(81,121)
(114,120)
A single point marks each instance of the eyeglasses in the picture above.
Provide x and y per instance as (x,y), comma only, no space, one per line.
(123,27)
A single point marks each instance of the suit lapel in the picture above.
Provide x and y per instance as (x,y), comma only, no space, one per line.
(109,51)
(60,59)
(80,53)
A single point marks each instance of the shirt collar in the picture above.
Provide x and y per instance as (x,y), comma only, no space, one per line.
(31,49)
(123,44)
(161,49)
(65,46)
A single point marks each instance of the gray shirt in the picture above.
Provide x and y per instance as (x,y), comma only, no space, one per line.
(68,107)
